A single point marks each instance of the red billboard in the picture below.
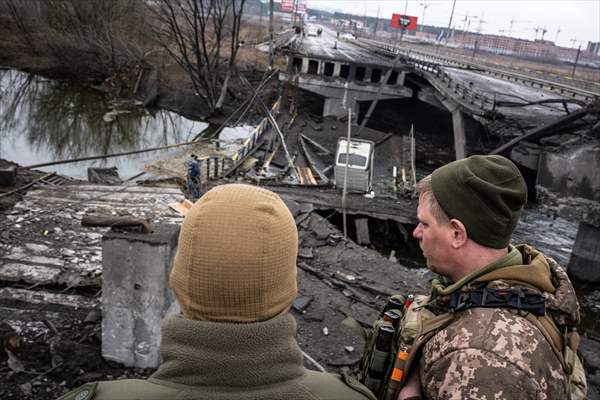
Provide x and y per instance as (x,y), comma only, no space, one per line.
(286,6)
(291,6)
(407,22)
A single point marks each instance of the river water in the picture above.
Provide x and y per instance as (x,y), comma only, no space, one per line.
(43,121)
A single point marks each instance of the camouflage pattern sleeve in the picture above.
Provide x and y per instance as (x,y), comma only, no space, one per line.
(477,374)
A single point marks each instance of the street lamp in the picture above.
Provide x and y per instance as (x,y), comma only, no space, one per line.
(424,5)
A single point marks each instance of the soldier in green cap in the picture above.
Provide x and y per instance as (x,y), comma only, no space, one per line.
(511,310)
(234,277)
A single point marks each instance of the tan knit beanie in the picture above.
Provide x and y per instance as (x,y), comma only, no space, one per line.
(236,258)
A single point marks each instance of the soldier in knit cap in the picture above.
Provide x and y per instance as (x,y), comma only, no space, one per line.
(496,344)
(234,277)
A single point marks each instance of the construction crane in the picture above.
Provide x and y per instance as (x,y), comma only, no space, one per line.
(466,24)
(573,41)
(514,21)
(467,20)
(480,25)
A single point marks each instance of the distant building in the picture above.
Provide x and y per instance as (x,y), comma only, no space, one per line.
(544,49)
(593,48)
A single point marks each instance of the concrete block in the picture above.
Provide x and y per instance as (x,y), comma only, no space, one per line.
(460,141)
(136,294)
(584,264)
(8,176)
(362,231)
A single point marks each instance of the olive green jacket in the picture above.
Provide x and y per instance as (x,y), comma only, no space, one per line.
(207,360)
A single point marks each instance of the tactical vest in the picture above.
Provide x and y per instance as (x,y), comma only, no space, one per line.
(393,344)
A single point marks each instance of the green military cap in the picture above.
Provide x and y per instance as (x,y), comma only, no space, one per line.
(485,193)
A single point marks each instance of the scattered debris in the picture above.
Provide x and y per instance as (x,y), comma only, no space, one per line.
(104,176)
(9,338)
(301,303)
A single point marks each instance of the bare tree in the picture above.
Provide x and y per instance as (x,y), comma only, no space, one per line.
(102,28)
(202,36)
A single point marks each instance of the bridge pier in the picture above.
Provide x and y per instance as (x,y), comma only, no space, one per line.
(460,141)
(584,264)
(334,106)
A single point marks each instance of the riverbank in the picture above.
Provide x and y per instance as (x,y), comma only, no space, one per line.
(147,76)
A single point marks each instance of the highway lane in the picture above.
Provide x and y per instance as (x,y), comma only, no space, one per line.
(329,46)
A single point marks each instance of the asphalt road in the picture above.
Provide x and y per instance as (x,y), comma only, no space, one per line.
(329,46)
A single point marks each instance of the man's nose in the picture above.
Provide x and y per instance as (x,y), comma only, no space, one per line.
(417,232)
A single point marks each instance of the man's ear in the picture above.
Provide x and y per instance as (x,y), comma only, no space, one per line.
(458,232)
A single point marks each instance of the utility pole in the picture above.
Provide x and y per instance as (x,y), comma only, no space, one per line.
(573,41)
(424,5)
(376,22)
(576,60)
(401,27)
(556,37)
(271,55)
(450,22)
(345,189)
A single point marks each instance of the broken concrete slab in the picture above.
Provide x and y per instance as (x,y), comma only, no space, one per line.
(293,206)
(320,227)
(29,298)
(301,302)
(44,242)
(305,252)
(34,274)
(306,207)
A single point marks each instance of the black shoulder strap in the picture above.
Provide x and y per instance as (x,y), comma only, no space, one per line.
(518,298)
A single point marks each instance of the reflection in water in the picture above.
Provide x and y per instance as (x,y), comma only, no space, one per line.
(42,121)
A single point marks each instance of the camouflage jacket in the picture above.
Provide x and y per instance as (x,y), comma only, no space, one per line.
(221,361)
(494,353)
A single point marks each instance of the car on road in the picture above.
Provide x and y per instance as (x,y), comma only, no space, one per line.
(312,31)
(348,36)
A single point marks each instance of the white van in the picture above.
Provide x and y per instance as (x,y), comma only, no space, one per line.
(360,164)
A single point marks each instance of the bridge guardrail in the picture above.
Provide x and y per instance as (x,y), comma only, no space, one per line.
(474,100)
(215,166)
(564,90)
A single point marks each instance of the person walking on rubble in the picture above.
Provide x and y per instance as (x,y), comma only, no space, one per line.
(234,277)
(498,342)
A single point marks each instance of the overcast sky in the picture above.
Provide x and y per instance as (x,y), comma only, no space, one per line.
(576,19)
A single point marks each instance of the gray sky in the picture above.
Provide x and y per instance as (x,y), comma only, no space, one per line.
(576,19)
